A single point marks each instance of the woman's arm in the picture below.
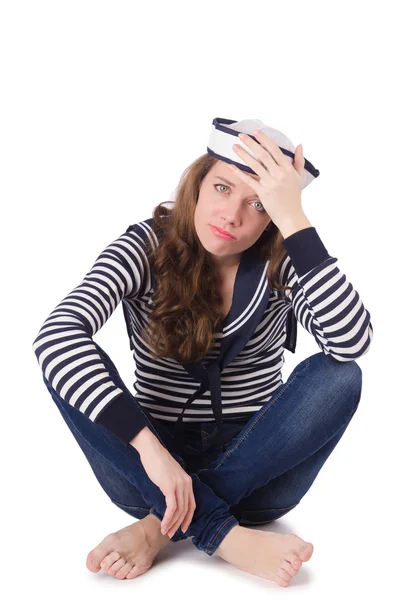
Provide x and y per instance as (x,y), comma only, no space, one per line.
(323,300)
(69,358)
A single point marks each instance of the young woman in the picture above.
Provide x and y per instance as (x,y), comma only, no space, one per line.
(213,440)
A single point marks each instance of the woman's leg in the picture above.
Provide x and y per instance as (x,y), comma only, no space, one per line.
(120,490)
(274,500)
(120,471)
(281,449)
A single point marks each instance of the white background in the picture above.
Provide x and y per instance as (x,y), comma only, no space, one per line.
(103,105)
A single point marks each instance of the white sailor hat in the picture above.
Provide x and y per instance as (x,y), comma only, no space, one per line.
(224,134)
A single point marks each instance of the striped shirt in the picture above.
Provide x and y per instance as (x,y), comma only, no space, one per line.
(322,300)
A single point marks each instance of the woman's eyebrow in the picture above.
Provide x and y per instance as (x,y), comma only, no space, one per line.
(231,184)
(225,180)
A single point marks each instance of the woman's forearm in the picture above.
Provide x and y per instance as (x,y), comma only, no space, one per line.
(143,439)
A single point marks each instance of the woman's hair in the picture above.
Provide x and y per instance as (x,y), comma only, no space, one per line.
(186,304)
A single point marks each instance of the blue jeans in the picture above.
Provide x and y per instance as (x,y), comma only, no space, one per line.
(269,463)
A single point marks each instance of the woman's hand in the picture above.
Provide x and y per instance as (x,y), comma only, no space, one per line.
(280,183)
(175,484)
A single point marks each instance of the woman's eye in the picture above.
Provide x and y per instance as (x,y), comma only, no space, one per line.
(216,185)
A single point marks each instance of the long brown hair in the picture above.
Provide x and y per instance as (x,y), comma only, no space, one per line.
(186,304)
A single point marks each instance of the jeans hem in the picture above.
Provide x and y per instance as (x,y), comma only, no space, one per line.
(219,535)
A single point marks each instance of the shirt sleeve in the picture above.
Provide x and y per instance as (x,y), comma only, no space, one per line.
(323,300)
(70,361)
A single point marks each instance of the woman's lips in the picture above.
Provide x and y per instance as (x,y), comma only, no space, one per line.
(224,236)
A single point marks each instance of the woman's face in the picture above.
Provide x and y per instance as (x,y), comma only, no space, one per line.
(231,205)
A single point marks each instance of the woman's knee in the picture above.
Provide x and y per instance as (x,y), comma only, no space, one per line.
(343,379)
(349,372)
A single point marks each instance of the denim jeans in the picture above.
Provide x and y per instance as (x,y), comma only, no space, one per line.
(269,463)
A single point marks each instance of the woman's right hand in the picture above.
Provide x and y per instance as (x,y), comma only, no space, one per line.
(173,481)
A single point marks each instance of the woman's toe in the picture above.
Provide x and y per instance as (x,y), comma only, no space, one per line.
(116,566)
(123,572)
(110,559)
(288,567)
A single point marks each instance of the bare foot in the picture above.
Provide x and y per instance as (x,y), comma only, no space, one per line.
(130,551)
(274,556)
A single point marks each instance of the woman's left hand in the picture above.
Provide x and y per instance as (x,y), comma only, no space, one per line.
(280,183)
